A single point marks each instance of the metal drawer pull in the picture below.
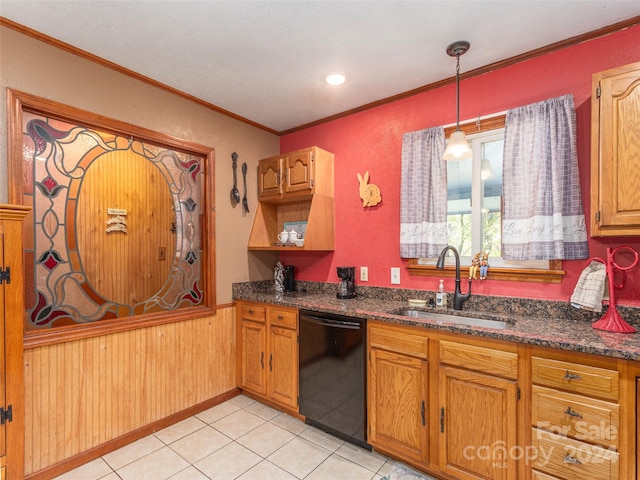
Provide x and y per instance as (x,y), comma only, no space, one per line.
(572,412)
(422,413)
(270,363)
(262,359)
(571,376)
(572,460)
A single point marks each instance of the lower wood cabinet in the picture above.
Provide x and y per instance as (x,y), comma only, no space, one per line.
(461,407)
(476,424)
(478,393)
(578,407)
(252,348)
(398,391)
(282,377)
(267,352)
(446,407)
(499,410)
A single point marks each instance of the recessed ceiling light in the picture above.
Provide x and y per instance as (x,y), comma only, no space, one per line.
(336,78)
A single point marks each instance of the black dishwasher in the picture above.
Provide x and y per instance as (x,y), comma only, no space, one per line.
(332,374)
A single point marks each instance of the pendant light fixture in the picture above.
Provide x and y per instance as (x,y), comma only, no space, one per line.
(458,147)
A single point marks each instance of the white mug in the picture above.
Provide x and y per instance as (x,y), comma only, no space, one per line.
(293,235)
(283,236)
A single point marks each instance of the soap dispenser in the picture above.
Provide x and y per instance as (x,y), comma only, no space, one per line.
(441,296)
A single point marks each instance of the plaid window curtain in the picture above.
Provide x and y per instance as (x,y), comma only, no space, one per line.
(543,213)
(423,194)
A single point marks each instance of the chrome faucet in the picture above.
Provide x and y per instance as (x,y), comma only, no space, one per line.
(458,297)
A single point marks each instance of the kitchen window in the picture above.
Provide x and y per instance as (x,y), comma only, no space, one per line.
(474,197)
(474,210)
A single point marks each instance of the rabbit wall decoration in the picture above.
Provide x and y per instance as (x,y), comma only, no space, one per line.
(369,193)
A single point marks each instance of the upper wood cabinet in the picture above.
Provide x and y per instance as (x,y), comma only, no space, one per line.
(295,187)
(292,173)
(615,152)
(269,178)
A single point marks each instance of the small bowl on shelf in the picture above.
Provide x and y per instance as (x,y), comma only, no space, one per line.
(299,243)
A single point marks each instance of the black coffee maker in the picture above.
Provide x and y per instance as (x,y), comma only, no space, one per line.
(346,288)
(289,279)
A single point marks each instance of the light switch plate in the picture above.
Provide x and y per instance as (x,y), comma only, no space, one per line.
(395,275)
(364,274)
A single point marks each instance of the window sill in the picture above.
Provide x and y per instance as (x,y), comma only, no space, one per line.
(553,275)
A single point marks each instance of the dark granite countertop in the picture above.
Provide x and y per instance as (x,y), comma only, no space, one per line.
(535,322)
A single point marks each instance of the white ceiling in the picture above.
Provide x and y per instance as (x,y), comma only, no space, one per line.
(266,60)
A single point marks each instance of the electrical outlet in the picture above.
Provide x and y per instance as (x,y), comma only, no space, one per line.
(162,253)
(395,275)
(364,274)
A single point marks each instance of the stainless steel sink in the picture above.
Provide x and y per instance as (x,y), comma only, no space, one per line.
(442,318)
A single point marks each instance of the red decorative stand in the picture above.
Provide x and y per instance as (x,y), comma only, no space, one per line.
(612,321)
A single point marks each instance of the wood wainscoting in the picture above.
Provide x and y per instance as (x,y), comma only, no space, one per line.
(99,391)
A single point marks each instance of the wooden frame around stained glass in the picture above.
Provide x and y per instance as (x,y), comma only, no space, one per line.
(79,246)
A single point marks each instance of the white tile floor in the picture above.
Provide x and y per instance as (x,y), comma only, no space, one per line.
(240,439)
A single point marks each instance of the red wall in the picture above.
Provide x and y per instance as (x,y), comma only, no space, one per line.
(371,141)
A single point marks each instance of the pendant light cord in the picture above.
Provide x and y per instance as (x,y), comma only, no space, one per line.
(458,93)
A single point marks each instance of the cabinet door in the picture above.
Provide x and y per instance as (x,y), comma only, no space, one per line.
(3,402)
(299,172)
(477,425)
(283,366)
(253,357)
(397,404)
(12,453)
(269,183)
(615,167)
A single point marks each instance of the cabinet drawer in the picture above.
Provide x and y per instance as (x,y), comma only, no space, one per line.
(283,317)
(399,340)
(578,417)
(253,312)
(573,460)
(575,377)
(542,476)
(487,360)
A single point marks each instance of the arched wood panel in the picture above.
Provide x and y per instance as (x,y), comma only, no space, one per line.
(127,181)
